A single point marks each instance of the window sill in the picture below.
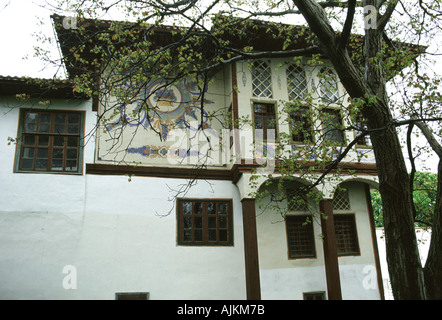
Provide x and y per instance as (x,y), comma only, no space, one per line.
(50,172)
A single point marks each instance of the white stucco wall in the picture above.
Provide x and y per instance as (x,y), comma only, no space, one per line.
(114,235)
(118,243)
(284,278)
(111,230)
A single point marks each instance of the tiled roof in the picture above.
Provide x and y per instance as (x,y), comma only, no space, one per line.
(35,87)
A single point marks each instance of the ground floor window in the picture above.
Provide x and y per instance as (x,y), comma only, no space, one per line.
(205,222)
(346,234)
(300,238)
(314,295)
(132,296)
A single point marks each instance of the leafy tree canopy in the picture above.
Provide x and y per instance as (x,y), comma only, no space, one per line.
(424,197)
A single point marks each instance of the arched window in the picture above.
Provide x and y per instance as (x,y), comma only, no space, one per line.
(296,83)
(262,79)
(328,85)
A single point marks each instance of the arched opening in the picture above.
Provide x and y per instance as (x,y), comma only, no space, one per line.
(282,196)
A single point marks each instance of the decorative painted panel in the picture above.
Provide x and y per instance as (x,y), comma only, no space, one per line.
(166,124)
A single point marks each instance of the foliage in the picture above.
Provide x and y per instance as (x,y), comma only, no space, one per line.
(424,197)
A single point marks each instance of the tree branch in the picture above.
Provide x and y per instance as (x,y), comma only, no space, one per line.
(317,20)
(434,144)
(348,23)
(383,20)
(413,167)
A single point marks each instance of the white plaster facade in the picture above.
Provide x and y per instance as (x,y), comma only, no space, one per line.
(121,236)
(109,229)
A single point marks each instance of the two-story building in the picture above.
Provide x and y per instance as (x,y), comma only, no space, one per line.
(157,197)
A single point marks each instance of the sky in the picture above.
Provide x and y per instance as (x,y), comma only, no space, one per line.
(19,20)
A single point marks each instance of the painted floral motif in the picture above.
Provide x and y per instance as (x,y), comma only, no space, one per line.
(163,107)
(163,152)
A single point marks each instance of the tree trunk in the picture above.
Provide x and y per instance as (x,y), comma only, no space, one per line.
(433,266)
(404,265)
(403,259)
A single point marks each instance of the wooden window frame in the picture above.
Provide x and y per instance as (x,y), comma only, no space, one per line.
(346,244)
(291,87)
(341,200)
(50,138)
(307,232)
(305,122)
(257,81)
(201,223)
(264,115)
(336,111)
(318,295)
(365,141)
(132,296)
(329,75)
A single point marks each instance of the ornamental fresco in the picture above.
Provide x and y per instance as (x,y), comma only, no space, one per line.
(169,106)
(159,110)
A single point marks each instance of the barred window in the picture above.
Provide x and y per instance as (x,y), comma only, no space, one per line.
(262,79)
(300,238)
(50,141)
(346,234)
(205,222)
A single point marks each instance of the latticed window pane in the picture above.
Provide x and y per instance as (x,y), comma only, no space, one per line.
(341,200)
(296,83)
(296,200)
(300,238)
(262,79)
(328,85)
(346,235)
